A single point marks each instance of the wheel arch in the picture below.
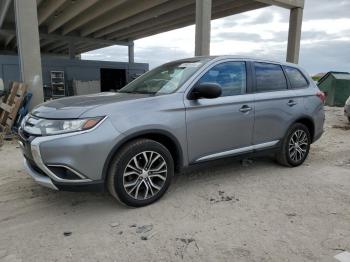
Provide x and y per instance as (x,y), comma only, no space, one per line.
(309,123)
(161,136)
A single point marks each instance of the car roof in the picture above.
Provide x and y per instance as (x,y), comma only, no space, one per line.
(251,58)
(235,57)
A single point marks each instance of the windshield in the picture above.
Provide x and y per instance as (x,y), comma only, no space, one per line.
(164,79)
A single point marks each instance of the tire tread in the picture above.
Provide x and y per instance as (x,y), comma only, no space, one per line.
(281,156)
(133,146)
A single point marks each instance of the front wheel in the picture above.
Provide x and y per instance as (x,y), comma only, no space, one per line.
(140,173)
(295,146)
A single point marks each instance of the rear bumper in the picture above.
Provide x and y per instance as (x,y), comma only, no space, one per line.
(318,136)
(319,120)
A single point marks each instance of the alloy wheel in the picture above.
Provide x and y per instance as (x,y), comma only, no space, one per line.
(145,175)
(298,145)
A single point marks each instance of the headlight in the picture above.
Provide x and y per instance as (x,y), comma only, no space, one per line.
(40,126)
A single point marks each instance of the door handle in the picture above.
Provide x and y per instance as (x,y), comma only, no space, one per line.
(291,103)
(245,109)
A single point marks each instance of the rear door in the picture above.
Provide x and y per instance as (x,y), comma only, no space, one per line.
(276,104)
(221,126)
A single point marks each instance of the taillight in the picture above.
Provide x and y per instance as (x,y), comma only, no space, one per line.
(321,96)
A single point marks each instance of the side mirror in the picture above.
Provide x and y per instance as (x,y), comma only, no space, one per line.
(206,90)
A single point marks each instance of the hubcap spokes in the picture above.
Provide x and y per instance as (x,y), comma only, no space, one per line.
(145,175)
(298,145)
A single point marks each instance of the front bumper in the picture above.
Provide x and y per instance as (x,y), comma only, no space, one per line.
(81,155)
(39,178)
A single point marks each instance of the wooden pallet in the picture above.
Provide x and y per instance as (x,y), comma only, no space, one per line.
(10,106)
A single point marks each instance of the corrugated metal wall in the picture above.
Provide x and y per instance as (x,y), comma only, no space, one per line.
(85,70)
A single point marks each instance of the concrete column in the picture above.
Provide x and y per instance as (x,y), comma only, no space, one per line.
(29,48)
(131,52)
(294,35)
(203,19)
(71,50)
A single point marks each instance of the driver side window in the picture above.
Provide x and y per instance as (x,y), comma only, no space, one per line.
(231,76)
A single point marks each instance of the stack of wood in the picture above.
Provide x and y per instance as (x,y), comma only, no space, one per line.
(10,105)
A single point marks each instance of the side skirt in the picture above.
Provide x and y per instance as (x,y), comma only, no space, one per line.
(267,152)
(238,151)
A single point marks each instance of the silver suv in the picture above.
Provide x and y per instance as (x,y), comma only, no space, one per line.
(179,114)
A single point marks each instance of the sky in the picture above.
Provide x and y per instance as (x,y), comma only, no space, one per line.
(325,43)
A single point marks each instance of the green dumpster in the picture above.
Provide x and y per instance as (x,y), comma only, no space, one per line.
(336,85)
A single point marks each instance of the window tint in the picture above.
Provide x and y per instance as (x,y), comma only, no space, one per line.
(269,77)
(297,80)
(231,76)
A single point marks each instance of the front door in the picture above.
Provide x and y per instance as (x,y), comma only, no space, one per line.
(222,126)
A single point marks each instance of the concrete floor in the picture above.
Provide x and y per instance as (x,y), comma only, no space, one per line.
(258,211)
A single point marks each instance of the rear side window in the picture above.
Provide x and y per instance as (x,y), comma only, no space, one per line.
(231,76)
(269,77)
(296,78)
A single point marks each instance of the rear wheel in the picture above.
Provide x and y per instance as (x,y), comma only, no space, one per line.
(295,146)
(140,173)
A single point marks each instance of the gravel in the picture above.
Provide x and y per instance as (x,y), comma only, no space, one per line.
(221,212)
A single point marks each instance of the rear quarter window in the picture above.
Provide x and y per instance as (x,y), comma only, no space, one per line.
(269,77)
(296,78)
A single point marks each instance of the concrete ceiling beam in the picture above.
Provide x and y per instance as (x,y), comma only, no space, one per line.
(130,8)
(55,46)
(175,24)
(81,45)
(161,29)
(144,16)
(61,49)
(69,13)
(90,48)
(91,14)
(284,3)
(82,39)
(159,21)
(45,42)
(47,8)
(66,39)
(178,15)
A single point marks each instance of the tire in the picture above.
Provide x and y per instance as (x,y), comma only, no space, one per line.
(349,119)
(133,176)
(295,146)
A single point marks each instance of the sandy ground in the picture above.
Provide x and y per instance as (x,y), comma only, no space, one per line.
(258,211)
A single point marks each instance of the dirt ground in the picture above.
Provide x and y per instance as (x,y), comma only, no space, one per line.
(230,211)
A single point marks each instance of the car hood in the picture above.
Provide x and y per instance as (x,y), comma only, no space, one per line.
(74,107)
